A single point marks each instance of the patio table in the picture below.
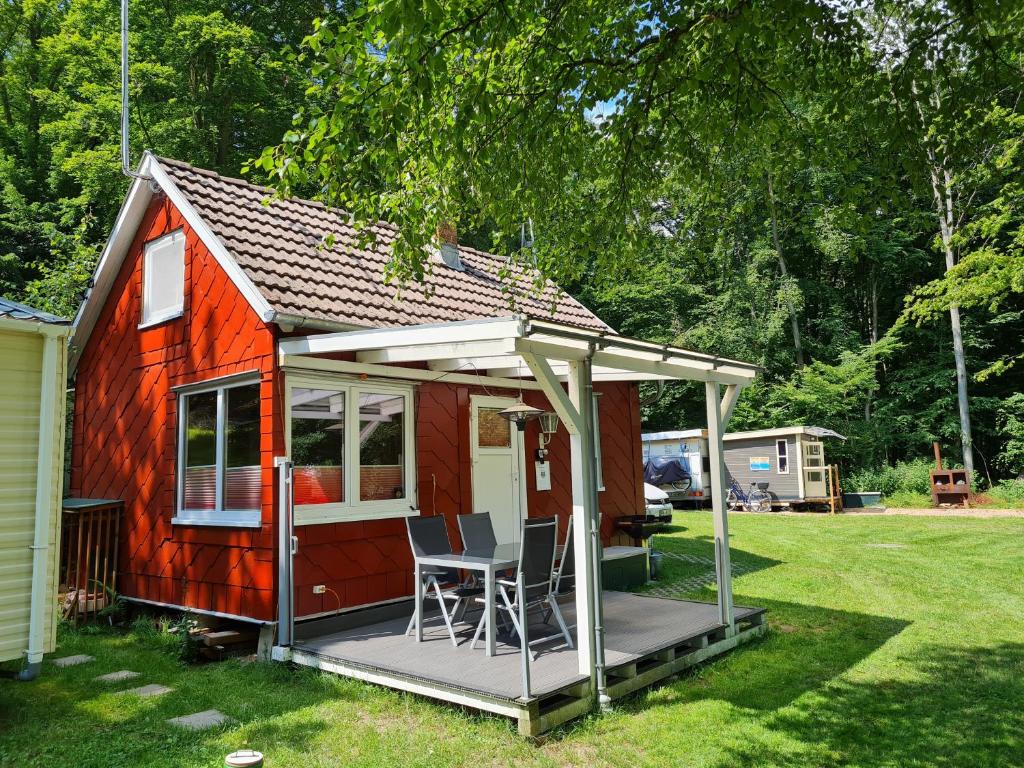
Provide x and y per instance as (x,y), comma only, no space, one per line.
(488,562)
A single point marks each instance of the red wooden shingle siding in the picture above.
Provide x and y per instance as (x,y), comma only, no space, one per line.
(368,562)
(124,430)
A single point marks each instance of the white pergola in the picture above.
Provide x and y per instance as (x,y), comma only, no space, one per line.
(503,352)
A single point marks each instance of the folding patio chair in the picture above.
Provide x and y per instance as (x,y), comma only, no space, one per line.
(537,568)
(477,531)
(429,536)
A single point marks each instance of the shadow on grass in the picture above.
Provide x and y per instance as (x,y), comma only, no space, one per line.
(65,717)
(805,648)
(688,565)
(945,706)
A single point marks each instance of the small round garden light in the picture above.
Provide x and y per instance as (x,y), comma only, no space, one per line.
(244,758)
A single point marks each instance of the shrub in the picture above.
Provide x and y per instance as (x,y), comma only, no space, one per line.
(1009,493)
(909,477)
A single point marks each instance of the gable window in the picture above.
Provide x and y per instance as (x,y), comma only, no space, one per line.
(219,478)
(782,450)
(163,278)
(351,446)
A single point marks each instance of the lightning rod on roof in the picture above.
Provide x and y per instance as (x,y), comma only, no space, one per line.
(126,168)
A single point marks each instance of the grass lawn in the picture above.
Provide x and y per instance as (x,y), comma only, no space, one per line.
(896,641)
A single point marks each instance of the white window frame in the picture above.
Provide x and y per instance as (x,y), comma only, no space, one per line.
(780,454)
(149,319)
(218,516)
(595,412)
(352,509)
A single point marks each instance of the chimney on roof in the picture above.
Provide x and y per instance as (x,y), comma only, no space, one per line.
(448,245)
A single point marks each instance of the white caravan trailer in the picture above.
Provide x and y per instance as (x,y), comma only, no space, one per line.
(790,460)
(690,447)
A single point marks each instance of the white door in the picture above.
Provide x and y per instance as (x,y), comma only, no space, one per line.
(814,470)
(497,454)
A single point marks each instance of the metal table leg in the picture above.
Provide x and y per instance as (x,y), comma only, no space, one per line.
(418,606)
(489,603)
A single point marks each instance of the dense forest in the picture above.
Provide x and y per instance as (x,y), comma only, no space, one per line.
(811,186)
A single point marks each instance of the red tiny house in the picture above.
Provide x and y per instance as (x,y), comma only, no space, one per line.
(131,378)
(125,402)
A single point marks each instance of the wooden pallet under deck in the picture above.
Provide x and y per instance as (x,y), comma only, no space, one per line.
(647,639)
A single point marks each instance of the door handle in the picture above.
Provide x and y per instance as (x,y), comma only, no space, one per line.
(295,545)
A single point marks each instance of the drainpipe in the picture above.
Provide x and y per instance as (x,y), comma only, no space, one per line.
(44,496)
(587,416)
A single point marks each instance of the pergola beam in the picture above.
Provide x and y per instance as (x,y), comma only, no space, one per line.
(557,396)
(490,348)
(732,395)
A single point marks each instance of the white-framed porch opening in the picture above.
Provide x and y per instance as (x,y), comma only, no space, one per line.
(565,362)
(497,466)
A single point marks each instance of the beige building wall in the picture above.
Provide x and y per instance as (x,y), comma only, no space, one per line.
(21,362)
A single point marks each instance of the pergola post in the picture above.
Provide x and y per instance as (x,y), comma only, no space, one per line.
(719,507)
(574,410)
(588,609)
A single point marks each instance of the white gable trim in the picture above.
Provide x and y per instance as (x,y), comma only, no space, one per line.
(123,234)
(227,263)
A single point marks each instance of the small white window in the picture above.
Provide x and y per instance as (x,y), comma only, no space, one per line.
(163,278)
(219,473)
(782,449)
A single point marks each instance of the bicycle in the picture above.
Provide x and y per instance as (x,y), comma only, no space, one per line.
(755,500)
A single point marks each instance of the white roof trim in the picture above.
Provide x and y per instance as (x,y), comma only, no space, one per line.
(749,435)
(500,343)
(679,434)
(818,432)
(123,234)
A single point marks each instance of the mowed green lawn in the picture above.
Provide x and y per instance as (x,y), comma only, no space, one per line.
(906,654)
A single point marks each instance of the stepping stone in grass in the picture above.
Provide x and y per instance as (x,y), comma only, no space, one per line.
(117,677)
(200,721)
(148,690)
(71,661)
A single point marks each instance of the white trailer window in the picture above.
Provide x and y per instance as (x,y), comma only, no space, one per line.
(782,450)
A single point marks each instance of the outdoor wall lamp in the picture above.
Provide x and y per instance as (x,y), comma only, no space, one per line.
(548,427)
(520,413)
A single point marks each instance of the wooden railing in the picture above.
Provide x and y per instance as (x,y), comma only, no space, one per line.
(88,561)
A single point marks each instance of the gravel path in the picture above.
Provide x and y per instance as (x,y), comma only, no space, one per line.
(944,512)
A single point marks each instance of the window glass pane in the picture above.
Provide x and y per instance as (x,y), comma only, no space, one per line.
(318,445)
(781,447)
(242,486)
(200,451)
(492,430)
(164,277)
(381,446)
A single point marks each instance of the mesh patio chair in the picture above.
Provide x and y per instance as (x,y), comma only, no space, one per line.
(429,536)
(536,571)
(477,531)
(565,573)
(565,576)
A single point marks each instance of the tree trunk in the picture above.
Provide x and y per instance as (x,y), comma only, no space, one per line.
(942,189)
(873,334)
(797,346)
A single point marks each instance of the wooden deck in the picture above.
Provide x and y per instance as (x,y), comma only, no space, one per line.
(646,640)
